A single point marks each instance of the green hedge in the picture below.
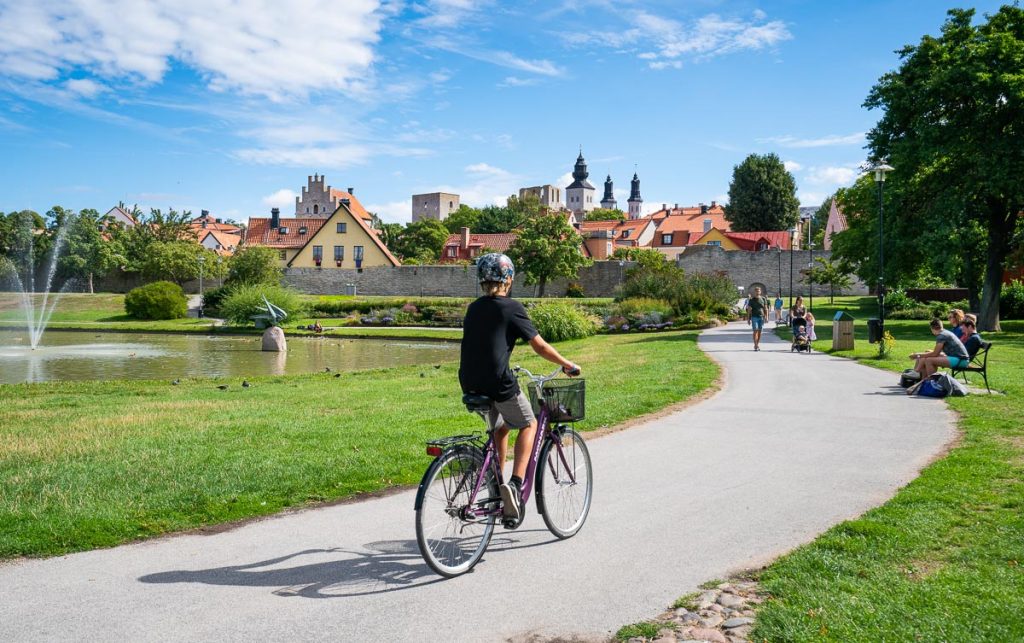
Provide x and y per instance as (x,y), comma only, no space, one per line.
(157,300)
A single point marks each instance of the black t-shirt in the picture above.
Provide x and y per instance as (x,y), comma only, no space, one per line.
(489,333)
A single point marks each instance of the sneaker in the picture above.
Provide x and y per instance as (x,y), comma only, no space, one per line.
(510,501)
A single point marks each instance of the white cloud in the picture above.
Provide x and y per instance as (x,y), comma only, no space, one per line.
(393,211)
(824,141)
(331,156)
(792,166)
(666,41)
(841,175)
(563,180)
(448,14)
(85,87)
(500,58)
(484,184)
(280,199)
(811,198)
(243,46)
(515,81)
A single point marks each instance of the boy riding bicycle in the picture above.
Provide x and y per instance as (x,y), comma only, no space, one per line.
(492,325)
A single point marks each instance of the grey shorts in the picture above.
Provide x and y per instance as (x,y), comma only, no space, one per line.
(514,413)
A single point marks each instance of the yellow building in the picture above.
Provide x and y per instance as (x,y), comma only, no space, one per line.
(342,240)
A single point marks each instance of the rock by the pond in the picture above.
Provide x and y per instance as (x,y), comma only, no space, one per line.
(705,634)
(273,340)
(736,622)
(731,600)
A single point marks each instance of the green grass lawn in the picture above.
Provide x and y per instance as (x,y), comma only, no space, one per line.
(944,559)
(94,464)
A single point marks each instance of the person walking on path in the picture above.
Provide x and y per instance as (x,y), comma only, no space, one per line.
(757,311)
(778,309)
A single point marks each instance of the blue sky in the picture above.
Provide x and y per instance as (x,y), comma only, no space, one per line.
(228,105)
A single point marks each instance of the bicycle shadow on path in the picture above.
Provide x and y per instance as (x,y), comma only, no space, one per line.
(380,567)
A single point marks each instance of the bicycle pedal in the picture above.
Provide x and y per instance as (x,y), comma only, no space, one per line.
(510,523)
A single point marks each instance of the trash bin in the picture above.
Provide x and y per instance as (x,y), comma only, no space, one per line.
(842,331)
(350,289)
(874,330)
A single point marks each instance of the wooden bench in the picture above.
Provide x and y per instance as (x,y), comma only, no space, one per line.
(978,364)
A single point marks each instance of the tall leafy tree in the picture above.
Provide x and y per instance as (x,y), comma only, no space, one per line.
(832,272)
(952,128)
(157,227)
(762,195)
(604,214)
(253,266)
(548,247)
(464,217)
(389,234)
(89,252)
(422,240)
(178,261)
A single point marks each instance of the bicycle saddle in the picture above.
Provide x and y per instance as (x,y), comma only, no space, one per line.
(476,402)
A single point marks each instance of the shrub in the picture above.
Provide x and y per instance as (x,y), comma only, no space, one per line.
(157,300)
(253,265)
(941,309)
(558,321)
(642,306)
(705,292)
(651,282)
(1011,300)
(919,311)
(574,290)
(898,300)
(213,298)
(246,301)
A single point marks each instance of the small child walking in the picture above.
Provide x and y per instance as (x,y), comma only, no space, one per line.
(810,326)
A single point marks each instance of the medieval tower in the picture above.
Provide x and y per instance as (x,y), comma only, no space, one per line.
(608,201)
(579,196)
(634,198)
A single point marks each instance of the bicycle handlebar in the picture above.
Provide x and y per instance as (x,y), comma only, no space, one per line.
(540,379)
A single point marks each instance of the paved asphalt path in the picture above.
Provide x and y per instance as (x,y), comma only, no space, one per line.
(793,444)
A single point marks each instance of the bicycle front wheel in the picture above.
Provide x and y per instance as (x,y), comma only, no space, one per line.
(450,540)
(565,483)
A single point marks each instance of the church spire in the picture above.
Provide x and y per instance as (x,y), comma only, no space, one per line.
(635,201)
(608,201)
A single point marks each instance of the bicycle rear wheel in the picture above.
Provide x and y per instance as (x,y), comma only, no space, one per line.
(450,541)
(565,483)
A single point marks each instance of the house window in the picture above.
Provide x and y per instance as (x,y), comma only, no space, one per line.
(342,228)
(625,234)
(707,224)
(283,255)
(339,253)
(762,245)
(452,251)
(303,230)
(357,253)
(318,254)
(316,209)
(714,243)
(451,204)
(666,239)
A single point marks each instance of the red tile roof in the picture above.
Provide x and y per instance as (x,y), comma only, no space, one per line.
(354,205)
(260,234)
(750,240)
(500,242)
(228,242)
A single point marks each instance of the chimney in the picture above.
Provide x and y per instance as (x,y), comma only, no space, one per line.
(703,209)
(275,218)
(351,190)
(219,220)
(664,206)
(464,241)
(204,213)
(714,204)
(675,207)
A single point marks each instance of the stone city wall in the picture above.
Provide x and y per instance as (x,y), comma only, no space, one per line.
(766,267)
(600,280)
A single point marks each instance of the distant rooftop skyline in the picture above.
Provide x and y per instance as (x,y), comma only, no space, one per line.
(229,106)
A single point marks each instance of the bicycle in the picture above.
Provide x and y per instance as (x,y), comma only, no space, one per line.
(458,503)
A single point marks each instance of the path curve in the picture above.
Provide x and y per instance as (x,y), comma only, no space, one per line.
(792,445)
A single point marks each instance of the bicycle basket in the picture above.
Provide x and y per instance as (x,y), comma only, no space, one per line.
(564,399)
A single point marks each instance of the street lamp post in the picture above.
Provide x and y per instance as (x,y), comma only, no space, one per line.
(810,263)
(201,259)
(792,237)
(779,253)
(880,169)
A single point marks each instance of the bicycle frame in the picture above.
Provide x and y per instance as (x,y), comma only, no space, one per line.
(544,432)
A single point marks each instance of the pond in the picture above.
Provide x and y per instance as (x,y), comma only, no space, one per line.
(66,355)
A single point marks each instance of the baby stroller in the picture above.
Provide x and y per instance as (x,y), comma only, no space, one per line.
(801,342)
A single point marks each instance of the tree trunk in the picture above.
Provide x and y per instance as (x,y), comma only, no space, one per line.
(91,291)
(541,284)
(1000,228)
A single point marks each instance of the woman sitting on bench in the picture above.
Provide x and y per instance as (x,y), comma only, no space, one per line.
(970,337)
